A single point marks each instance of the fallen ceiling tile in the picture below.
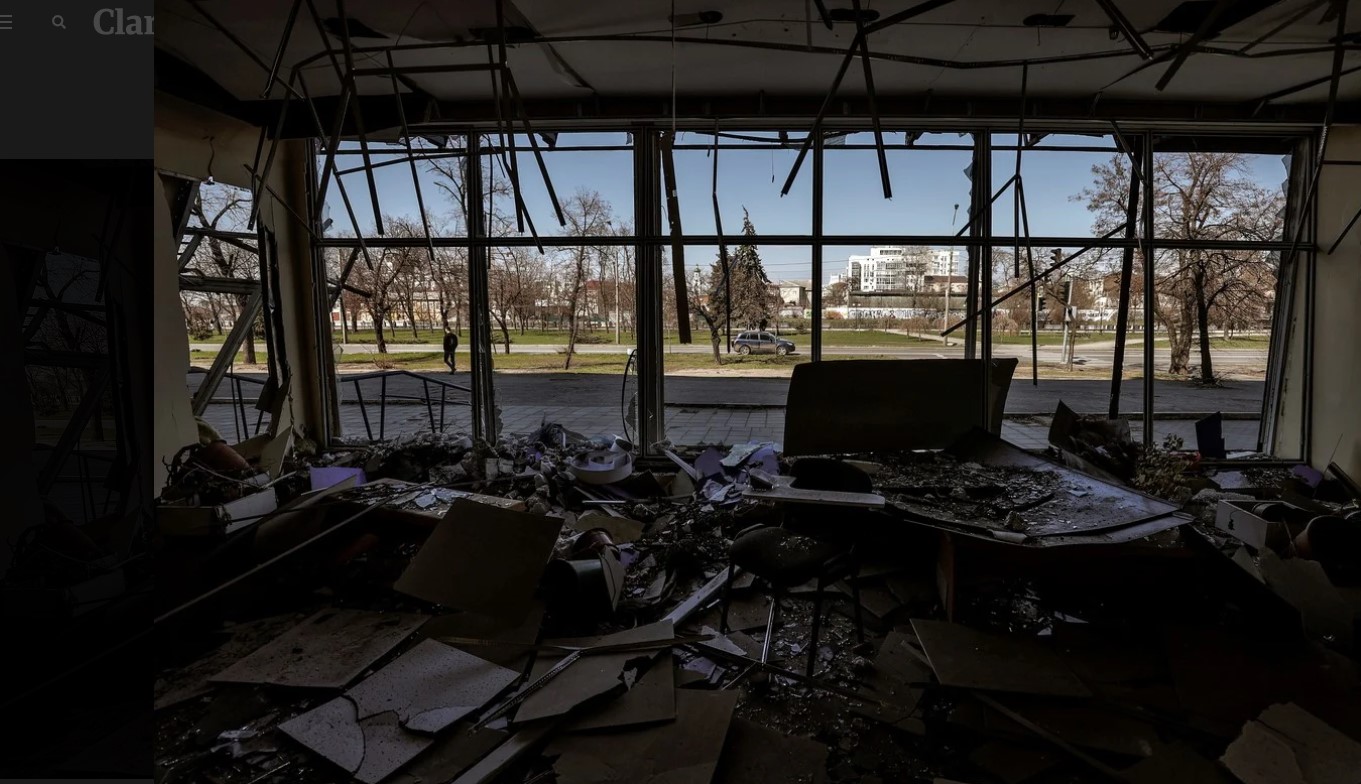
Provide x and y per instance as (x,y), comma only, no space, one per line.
(431,686)
(510,641)
(651,699)
(328,650)
(590,677)
(385,721)
(1289,745)
(483,559)
(450,756)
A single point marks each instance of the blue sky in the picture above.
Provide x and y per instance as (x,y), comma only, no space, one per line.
(927,186)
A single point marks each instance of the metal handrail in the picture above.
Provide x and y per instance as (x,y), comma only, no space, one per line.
(383,376)
(242,425)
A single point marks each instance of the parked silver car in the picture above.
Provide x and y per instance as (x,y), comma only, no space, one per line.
(761,343)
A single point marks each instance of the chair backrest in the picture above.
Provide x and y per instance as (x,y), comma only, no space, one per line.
(825,473)
(827,522)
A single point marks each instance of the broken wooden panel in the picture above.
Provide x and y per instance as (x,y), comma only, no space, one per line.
(483,559)
(972,659)
(685,751)
(328,650)
(591,677)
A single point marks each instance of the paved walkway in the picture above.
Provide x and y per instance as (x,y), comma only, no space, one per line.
(1082,395)
(701,409)
(684,425)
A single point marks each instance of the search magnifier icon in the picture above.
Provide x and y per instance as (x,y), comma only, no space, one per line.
(58,21)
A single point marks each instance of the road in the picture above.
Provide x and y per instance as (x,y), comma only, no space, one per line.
(582,389)
(1097,355)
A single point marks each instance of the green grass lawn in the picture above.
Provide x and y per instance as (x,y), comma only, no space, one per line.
(1251,341)
(1048,338)
(830,337)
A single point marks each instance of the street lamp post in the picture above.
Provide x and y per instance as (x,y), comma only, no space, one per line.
(949,274)
(945,322)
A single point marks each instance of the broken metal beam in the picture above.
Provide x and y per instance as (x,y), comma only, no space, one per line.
(75,427)
(358,116)
(873,103)
(244,326)
(1190,44)
(415,174)
(1126,284)
(707,593)
(1122,23)
(283,46)
(677,246)
(215,285)
(1024,286)
(534,144)
(187,255)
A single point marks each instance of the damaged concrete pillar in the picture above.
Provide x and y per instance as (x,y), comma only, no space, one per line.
(1333,416)
(173,423)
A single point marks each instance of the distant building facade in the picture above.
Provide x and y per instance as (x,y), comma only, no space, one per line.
(896,269)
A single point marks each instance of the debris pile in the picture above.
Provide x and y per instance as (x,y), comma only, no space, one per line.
(438,609)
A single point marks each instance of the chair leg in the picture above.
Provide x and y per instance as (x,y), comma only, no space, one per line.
(770,625)
(727,600)
(817,622)
(859,611)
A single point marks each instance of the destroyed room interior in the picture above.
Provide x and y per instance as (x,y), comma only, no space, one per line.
(676,392)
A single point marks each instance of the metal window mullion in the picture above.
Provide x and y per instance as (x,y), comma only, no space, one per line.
(647,216)
(818,184)
(1150,196)
(479,307)
(330,402)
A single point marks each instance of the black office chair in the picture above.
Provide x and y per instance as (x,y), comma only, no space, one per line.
(815,542)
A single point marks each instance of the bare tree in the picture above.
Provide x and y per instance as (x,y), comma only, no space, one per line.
(378,273)
(588,215)
(225,208)
(706,309)
(1197,196)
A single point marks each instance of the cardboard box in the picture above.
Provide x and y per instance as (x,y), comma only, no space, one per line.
(220,520)
(1236,519)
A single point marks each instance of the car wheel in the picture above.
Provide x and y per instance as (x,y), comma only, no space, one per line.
(744,350)
(781,351)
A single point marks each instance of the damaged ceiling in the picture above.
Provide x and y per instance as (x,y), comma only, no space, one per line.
(773,51)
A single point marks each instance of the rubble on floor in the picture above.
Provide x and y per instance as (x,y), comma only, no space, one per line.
(439,609)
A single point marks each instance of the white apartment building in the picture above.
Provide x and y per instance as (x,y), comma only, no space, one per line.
(886,269)
(897,269)
(947,262)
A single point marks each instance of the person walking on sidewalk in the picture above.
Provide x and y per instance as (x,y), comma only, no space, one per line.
(450,346)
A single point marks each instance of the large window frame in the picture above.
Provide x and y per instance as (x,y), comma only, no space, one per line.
(650,237)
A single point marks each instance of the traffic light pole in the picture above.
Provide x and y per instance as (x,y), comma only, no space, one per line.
(1068,336)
